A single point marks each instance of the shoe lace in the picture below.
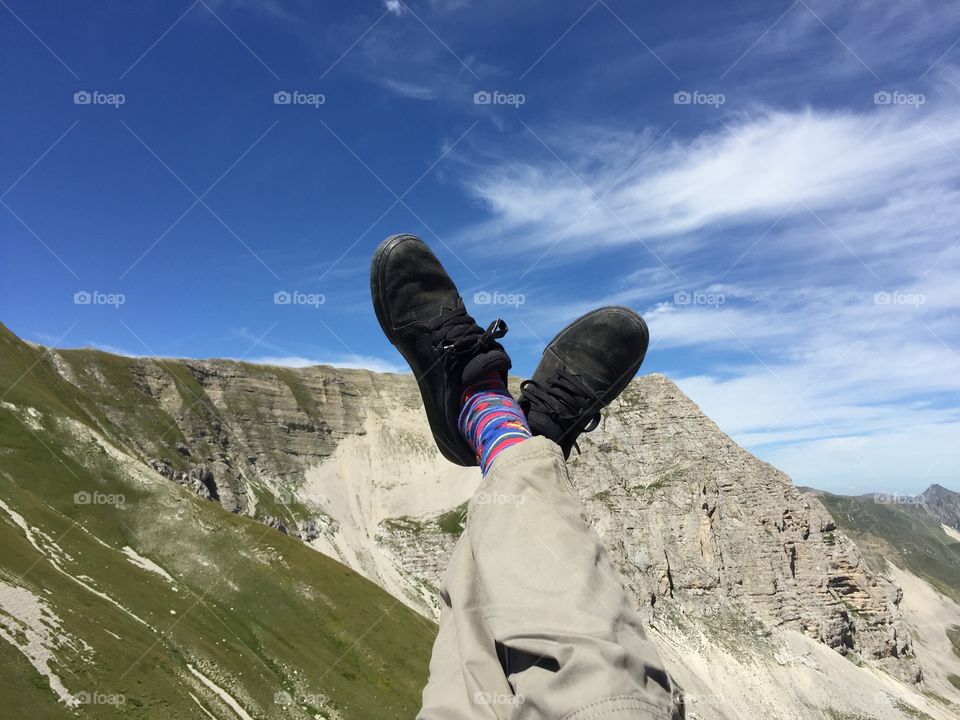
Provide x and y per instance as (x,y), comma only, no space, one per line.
(456,334)
(566,400)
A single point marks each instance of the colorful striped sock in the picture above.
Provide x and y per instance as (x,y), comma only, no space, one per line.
(491,420)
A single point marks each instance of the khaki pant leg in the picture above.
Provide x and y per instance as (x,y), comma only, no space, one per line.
(544,627)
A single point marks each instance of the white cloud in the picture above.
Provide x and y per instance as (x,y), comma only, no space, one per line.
(902,461)
(410,89)
(112,349)
(270,8)
(345,360)
(832,391)
(798,219)
(361,362)
(394,6)
(756,169)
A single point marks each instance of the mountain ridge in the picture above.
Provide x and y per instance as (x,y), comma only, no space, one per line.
(731,566)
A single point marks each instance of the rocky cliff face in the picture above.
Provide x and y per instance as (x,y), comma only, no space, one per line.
(706,535)
(696,519)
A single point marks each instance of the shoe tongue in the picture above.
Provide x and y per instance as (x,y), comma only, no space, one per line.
(495,360)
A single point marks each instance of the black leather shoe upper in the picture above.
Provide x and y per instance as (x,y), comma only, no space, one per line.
(582,370)
(422,314)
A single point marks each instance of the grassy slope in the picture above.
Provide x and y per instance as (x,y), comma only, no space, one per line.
(256,611)
(887,532)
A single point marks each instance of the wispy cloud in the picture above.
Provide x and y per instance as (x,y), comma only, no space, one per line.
(361,362)
(829,238)
(767,166)
(268,8)
(410,89)
(112,349)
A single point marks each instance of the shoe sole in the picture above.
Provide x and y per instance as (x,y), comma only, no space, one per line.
(436,418)
(625,379)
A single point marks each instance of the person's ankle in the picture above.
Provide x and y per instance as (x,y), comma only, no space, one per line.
(491,420)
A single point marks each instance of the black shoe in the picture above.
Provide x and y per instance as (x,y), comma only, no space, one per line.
(582,370)
(422,314)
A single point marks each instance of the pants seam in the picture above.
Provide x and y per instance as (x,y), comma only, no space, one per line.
(615,704)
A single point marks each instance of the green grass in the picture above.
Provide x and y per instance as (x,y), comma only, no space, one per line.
(287,509)
(301,394)
(452,521)
(937,697)
(836,714)
(256,611)
(405,525)
(911,711)
(110,383)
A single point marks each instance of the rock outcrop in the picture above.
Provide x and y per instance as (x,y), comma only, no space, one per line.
(693,517)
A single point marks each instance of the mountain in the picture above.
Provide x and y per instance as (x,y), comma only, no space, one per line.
(760,604)
(940,505)
(916,532)
(913,539)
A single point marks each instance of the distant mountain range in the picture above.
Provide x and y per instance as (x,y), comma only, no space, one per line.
(911,531)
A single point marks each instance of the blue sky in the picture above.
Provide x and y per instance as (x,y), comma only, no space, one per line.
(773,185)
